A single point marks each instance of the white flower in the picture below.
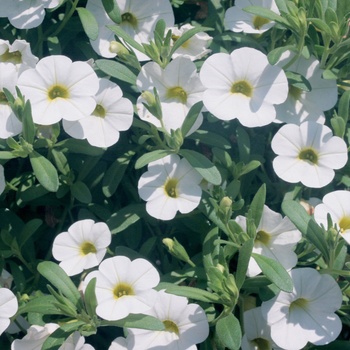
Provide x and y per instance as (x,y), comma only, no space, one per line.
(17,53)
(9,123)
(8,308)
(238,20)
(257,332)
(59,89)
(24,14)
(179,88)
(139,18)
(82,247)
(75,342)
(243,85)
(308,153)
(6,278)
(194,48)
(185,325)
(306,314)
(35,337)
(113,113)
(303,106)
(170,185)
(2,179)
(124,287)
(337,205)
(119,343)
(276,238)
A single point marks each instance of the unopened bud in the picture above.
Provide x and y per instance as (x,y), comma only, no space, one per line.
(149,98)
(177,250)
(118,48)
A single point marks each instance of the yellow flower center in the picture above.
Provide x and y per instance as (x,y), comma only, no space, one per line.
(87,247)
(299,303)
(170,188)
(261,344)
(170,326)
(129,19)
(309,155)
(99,112)
(122,290)
(58,91)
(3,99)
(344,223)
(258,22)
(176,37)
(263,237)
(12,57)
(242,87)
(177,93)
(294,92)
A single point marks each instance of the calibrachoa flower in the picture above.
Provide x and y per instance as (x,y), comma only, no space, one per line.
(308,153)
(139,18)
(337,205)
(17,53)
(306,314)
(171,184)
(119,343)
(238,20)
(194,48)
(179,88)
(35,337)
(185,325)
(75,342)
(113,113)
(8,308)
(243,85)
(124,287)
(301,105)
(9,123)
(24,14)
(276,238)
(59,89)
(83,246)
(257,332)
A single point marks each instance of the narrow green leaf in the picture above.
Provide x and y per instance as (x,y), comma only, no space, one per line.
(320,24)
(343,106)
(88,22)
(266,13)
(274,55)
(117,70)
(90,298)
(119,32)
(307,226)
(7,155)
(243,260)
(81,192)
(44,171)
(115,173)
(210,138)
(275,272)
(191,117)
(338,125)
(203,165)
(59,279)
(28,124)
(228,332)
(299,81)
(61,161)
(150,157)
(113,11)
(42,305)
(257,205)
(55,340)
(252,165)
(79,146)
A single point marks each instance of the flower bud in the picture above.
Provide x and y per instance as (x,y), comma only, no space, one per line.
(177,250)
(118,48)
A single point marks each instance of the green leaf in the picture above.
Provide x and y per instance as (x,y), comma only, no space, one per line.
(191,117)
(90,298)
(189,292)
(89,23)
(81,192)
(243,260)
(115,173)
(28,124)
(117,70)
(307,226)
(125,217)
(338,125)
(274,55)
(61,161)
(137,321)
(42,305)
(113,11)
(127,38)
(320,24)
(252,165)
(228,332)
(55,340)
(7,155)
(257,205)
(275,272)
(44,171)
(150,157)
(298,80)
(186,36)
(343,106)
(28,230)
(203,165)
(79,146)
(59,279)
(210,138)
(266,13)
